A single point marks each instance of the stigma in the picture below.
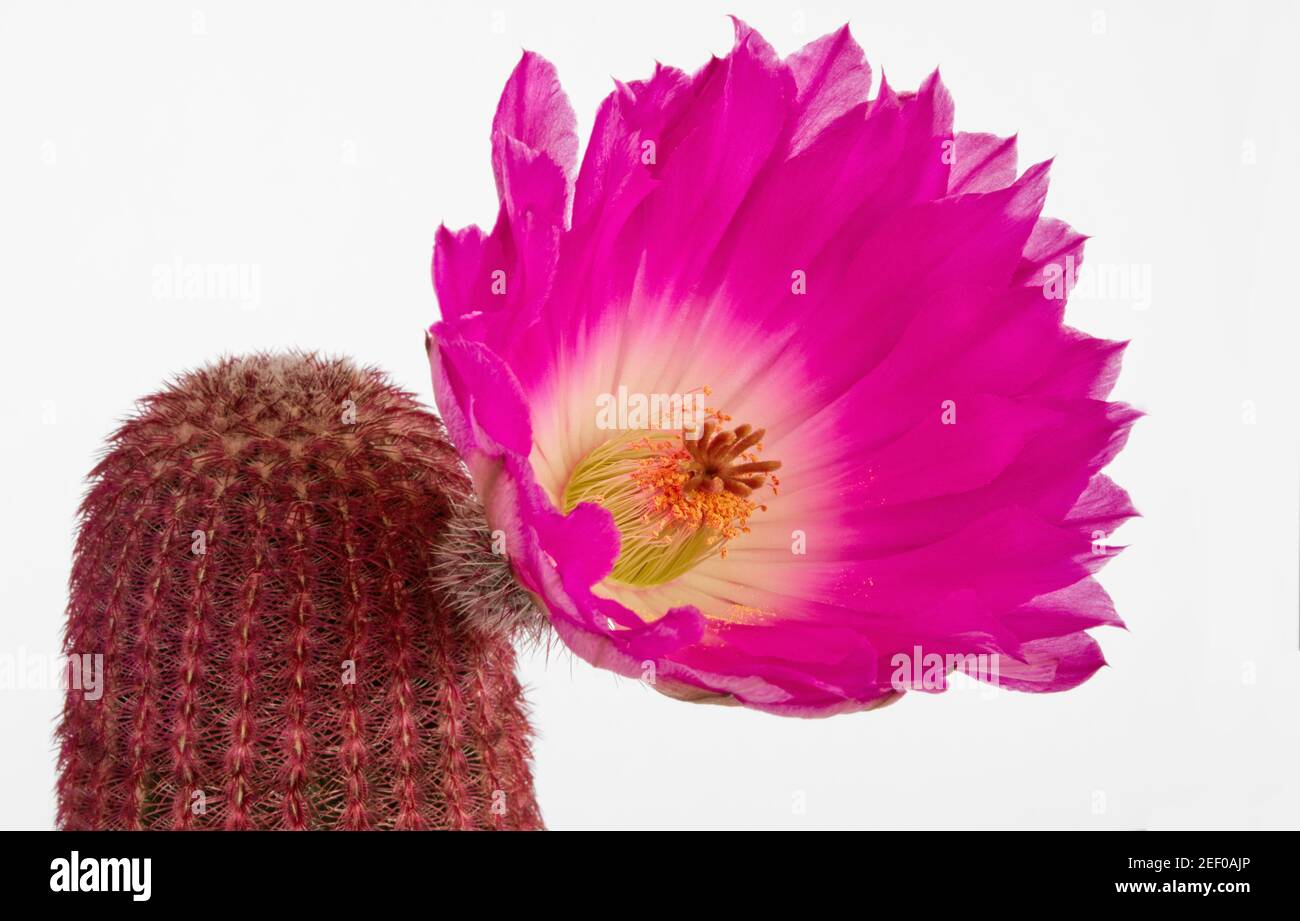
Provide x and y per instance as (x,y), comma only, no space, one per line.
(725,461)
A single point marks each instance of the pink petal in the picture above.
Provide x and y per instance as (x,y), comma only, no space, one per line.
(982,163)
(832,77)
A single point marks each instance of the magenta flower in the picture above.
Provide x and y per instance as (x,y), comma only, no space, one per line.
(772,400)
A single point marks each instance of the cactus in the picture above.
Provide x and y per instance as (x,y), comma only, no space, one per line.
(258,565)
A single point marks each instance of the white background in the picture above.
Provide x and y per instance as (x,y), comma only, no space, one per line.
(320,145)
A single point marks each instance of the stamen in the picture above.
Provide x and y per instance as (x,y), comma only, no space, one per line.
(676,501)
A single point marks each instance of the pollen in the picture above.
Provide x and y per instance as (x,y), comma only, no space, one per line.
(676,500)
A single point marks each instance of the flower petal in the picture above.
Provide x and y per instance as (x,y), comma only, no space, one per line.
(882,295)
(832,76)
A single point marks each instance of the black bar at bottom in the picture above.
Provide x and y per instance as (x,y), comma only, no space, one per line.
(641,871)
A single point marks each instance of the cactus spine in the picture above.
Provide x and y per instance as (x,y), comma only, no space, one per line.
(257,564)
